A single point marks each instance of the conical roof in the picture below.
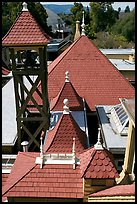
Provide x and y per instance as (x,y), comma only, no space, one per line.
(25,31)
(67,91)
(59,139)
(98,164)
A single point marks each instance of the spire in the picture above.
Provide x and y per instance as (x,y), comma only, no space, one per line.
(65,107)
(25,8)
(83,25)
(98,145)
(74,153)
(67,76)
(77,33)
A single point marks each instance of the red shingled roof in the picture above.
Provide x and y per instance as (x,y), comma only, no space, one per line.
(92,75)
(5,71)
(97,164)
(27,179)
(53,180)
(119,190)
(60,138)
(25,31)
(69,92)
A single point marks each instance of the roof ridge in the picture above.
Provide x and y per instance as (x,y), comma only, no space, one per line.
(62,55)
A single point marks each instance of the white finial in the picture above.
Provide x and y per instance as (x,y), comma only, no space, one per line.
(67,76)
(74,153)
(25,8)
(65,107)
(83,25)
(41,150)
(98,145)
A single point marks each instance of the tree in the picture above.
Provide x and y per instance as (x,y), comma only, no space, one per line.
(10,11)
(127,9)
(126,26)
(103,16)
(76,11)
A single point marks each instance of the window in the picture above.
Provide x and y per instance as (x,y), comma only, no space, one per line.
(120,119)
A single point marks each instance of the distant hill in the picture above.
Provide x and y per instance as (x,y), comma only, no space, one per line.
(59,8)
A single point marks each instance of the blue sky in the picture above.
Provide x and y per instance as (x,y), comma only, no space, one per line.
(116,5)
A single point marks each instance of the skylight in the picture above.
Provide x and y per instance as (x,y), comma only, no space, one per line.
(120,118)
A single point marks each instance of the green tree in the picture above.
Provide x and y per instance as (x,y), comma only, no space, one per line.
(127,9)
(103,16)
(10,11)
(125,26)
(76,12)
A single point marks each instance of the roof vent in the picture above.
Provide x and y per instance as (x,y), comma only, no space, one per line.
(67,76)
(98,145)
(25,146)
(83,25)
(65,107)
(25,8)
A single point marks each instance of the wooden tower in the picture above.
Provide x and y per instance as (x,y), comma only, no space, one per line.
(27,46)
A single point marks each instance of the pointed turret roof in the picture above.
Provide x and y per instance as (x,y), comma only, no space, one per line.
(98,162)
(59,139)
(92,75)
(67,91)
(25,31)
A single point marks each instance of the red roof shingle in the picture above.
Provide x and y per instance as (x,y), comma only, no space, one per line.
(5,71)
(25,31)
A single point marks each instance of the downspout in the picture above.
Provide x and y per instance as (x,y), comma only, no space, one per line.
(86,126)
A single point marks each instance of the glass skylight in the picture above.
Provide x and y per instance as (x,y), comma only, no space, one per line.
(120,118)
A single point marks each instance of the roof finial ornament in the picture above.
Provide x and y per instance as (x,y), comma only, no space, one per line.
(74,153)
(98,145)
(65,107)
(25,8)
(67,76)
(83,25)
(41,149)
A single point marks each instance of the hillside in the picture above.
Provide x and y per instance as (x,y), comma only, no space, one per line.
(59,8)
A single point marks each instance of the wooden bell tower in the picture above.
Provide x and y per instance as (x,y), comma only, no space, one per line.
(27,45)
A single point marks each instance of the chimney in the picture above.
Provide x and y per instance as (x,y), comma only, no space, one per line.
(77,33)
(25,146)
